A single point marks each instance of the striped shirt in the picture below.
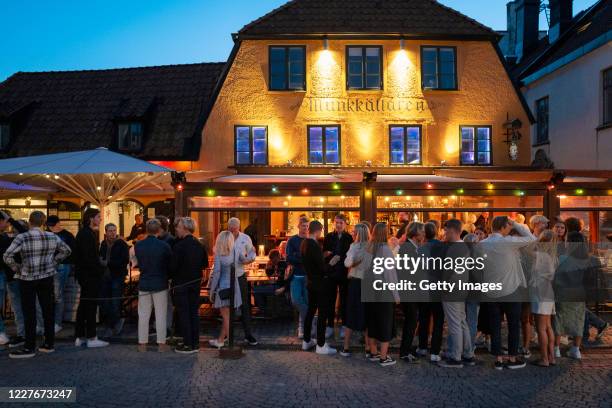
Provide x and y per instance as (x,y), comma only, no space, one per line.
(40,252)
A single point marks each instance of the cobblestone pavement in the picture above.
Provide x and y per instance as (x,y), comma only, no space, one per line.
(119,376)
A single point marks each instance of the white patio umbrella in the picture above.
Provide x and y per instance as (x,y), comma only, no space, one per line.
(99,176)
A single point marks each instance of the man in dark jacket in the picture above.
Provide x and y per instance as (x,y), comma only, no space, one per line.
(189,259)
(154,257)
(138,229)
(89,272)
(168,238)
(335,247)
(63,270)
(321,289)
(114,257)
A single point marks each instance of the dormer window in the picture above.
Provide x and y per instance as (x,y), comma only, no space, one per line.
(130,136)
(5,135)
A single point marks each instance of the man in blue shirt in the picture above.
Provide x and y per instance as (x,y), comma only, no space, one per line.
(299,294)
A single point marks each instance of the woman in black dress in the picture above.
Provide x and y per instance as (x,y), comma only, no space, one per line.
(380,316)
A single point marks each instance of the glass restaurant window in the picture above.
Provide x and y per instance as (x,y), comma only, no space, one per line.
(475,144)
(405,144)
(607,96)
(287,67)
(438,68)
(364,67)
(323,144)
(130,136)
(251,144)
(542,120)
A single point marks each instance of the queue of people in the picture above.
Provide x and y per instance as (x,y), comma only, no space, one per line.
(523,258)
(38,258)
(323,276)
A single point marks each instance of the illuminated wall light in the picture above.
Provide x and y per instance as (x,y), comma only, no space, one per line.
(21,174)
(399,192)
(98,188)
(460,191)
(609,192)
(274,189)
(210,192)
(579,191)
(429,185)
(243,193)
(305,191)
(179,187)
(368,193)
(520,193)
(336,186)
(47,176)
(56,177)
(490,186)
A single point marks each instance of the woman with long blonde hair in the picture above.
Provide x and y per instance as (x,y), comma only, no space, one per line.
(357,260)
(220,283)
(543,298)
(380,316)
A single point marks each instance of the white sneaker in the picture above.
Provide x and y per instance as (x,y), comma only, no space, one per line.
(58,328)
(329,332)
(342,328)
(434,358)
(79,342)
(326,349)
(421,352)
(300,332)
(4,340)
(574,353)
(307,345)
(557,352)
(216,343)
(96,343)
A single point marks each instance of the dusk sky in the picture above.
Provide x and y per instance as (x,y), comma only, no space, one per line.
(45,35)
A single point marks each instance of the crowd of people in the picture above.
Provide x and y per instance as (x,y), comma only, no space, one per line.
(325,275)
(322,275)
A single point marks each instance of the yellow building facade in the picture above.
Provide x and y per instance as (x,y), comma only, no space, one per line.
(485,96)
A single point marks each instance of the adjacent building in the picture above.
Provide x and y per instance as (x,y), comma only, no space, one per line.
(566,78)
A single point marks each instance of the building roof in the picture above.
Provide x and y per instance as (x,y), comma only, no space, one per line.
(586,28)
(418,18)
(64,111)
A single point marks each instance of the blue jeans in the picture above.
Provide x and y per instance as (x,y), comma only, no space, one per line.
(471,312)
(299,297)
(59,284)
(14,295)
(2,296)
(112,287)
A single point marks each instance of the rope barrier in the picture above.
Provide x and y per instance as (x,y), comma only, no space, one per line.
(144,294)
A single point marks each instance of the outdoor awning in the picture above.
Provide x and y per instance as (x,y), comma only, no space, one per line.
(99,176)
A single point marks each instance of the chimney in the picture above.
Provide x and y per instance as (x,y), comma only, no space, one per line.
(527,13)
(511,29)
(560,18)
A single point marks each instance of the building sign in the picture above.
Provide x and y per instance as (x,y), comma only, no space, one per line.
(364,104)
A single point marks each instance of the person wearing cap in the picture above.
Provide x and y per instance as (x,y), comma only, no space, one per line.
(64,269)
